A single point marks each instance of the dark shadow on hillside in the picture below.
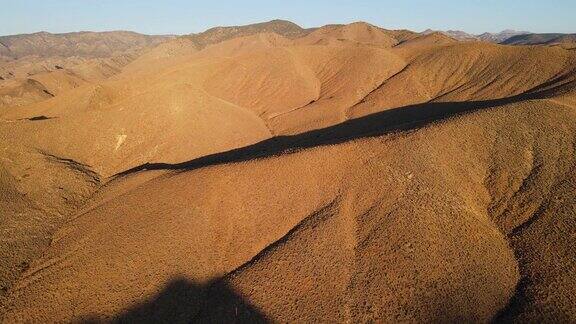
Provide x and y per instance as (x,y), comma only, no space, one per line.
(184,301)
(388,121)
(516,304)
(37,118)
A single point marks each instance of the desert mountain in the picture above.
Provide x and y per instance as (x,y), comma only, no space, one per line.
(218,34)
(501,36)
(357,33)
(37,66)
(457,34)
(188,44)
(539,39)
(486,37)
(347,173)
(82,44)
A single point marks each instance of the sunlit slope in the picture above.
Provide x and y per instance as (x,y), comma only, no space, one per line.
(355,33)
(264,81)
(34,79)
(321,80)
(347,173)
(121,123)
(138,116)
(392,228)
(473,72)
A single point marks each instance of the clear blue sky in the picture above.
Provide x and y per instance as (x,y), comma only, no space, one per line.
(182,17)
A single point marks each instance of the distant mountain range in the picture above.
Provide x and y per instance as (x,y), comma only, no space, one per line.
(108,44)
(487,37)
(511,37)
(81,44)
(536,39)
(501,36)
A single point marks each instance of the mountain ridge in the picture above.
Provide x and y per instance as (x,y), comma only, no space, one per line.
(486,36)
(83,44)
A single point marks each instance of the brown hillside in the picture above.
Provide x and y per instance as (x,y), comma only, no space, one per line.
(357,33)
(273,174)
(219,34)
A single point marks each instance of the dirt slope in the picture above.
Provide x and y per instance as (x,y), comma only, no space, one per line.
(347,174)
(377,233)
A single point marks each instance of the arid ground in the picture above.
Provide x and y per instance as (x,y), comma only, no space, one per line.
(270,173)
